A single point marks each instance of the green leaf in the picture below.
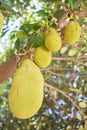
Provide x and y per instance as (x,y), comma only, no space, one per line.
(72,3)
(17,44)
(81,128)
(2,87)
(63,50)
(78,3)
(75,90)
(41,12)
(29,27)
(20,35)
(59,13)
(6,4)
(72,52)
(36,40)
(82,105)
(12,36)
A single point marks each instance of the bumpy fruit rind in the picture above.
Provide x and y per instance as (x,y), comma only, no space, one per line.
(52,39)
(42,56)
(26,93)
(1,20)
(72,32)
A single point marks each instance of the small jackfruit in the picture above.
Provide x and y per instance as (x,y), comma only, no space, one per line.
(52,39)
(26,93)
(42,56)
(1,20)
(72,32)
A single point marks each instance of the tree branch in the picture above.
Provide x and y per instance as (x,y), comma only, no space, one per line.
(80,15)
(76,60)
(8,68)
(66,96)
(11,12)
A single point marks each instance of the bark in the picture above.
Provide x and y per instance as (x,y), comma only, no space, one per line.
(8,68)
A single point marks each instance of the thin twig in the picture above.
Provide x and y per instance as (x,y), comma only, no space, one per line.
(64,94)
(59,68)
(54,73)
(11,12)
(7,11)
(69,59)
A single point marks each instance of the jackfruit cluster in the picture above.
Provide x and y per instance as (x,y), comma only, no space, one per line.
(1,20)
(26,92)
(72,32)
(52,43)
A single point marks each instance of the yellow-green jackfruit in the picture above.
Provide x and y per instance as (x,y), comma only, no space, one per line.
(72,32)
(52,39)
(26,92)
(42,56)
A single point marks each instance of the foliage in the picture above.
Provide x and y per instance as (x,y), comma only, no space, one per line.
(65,92)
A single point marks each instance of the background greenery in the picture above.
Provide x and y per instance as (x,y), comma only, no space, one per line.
(65,105)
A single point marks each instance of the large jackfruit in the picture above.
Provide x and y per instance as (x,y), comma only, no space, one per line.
(72,32)
(42,56)
(52,39)
(26,93)
(1,20)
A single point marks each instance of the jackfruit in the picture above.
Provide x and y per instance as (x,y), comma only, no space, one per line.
(27,63)
(72,32)
(52,39)
(26,92)
(42,56)
(1,20)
